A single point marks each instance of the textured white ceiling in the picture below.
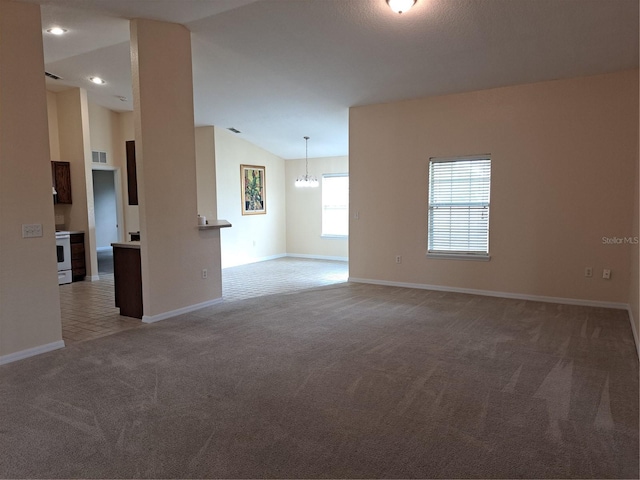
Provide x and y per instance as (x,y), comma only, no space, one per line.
(278,70)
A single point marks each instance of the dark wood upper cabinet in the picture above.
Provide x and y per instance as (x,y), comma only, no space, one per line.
(61,178)
(132,176)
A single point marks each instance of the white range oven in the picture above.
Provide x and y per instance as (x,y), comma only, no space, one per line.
(63,251)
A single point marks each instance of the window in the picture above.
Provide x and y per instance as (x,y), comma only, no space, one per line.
(458,224)
(335,204)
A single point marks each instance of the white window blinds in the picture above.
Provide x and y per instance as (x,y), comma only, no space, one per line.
(459,206)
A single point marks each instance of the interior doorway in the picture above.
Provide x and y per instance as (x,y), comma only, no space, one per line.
(107,217)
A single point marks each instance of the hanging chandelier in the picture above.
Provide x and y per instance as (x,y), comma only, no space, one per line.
(306,180)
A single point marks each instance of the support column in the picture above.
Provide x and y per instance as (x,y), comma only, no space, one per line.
(173,251)
(75,147)
(29,298)
(206,172)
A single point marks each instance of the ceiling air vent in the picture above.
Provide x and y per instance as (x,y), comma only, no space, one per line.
(52,75)
(234,130)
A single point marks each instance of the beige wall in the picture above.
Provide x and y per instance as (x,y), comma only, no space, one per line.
(563,163)
(173,250)
(634,283)
(206,172)
(131,212)
(252,237)
(304,210)
(107,131)
(105,134)
(75,148)
(29,302)
(52,116)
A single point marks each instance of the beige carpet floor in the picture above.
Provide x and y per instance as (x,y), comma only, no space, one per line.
(347,381)
(88,308)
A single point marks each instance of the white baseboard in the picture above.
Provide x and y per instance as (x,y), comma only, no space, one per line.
(30,352)
(179,311)
(491,293)
(282,255)
(634,330)
(104,249)
(318,257)
(92,278)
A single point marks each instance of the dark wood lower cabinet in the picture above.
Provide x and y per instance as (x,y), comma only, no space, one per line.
(78,263)
(127,274)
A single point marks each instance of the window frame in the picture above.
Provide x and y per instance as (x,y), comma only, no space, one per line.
(322,206)
(452,254)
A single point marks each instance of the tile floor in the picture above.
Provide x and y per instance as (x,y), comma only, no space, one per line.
(88,310)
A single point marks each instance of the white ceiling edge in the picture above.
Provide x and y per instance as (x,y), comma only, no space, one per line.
(278,70)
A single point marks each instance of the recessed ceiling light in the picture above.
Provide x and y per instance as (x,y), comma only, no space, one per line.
(400,6)
(57,31)
(97,80)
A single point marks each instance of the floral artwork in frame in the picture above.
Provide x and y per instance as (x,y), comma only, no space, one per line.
(253,187)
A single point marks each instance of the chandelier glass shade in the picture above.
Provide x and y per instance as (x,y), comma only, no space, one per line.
(306,180)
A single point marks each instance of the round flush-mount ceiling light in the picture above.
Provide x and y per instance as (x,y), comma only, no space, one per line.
(97,80)
(400,6)
(57,30)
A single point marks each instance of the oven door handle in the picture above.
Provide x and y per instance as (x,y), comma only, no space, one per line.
(63,236)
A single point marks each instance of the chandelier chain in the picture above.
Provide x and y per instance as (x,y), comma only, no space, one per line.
(306,180)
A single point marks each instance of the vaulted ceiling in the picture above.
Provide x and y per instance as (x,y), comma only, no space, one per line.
(278,70)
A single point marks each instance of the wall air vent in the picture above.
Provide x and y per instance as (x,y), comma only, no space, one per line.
(234,130)
(99,157)
(52,75)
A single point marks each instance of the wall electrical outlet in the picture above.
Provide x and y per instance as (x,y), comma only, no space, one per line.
(398,258)
(588,272)
(31,230)
(205,274)
(606,274)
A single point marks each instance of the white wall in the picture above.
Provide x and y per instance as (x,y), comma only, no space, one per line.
(564,157)
(304,210)
(252,237)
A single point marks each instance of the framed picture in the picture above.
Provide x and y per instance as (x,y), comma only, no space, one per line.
(252,178)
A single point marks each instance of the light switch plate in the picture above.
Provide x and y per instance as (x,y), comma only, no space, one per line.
(31,230)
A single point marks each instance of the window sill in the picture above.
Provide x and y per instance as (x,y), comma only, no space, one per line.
(459,256)
(334,236)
